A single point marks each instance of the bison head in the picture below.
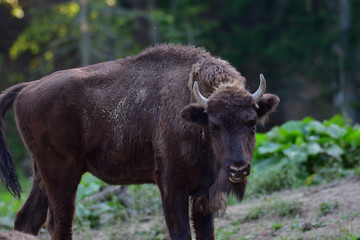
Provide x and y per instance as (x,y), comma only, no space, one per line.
(231,114)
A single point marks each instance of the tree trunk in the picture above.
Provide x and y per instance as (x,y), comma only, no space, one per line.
(347,80)
(84,30)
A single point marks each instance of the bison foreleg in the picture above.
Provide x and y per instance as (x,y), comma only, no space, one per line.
(176,210)
(203,221)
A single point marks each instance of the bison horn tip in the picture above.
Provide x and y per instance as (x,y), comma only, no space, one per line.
(200,99)
(261,90)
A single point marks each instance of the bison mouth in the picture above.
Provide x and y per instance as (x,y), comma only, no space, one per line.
(238,174)
(237,179)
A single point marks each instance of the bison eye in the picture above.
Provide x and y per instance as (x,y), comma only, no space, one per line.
(252,126)
(214,130)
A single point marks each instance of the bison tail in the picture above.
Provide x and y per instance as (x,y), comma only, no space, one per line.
(7,168)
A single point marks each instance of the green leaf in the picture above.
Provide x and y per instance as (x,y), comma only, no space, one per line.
(296,153)
(307,120)
(315,126)
(299,140)
(334,151)
(269,147)
(353,138)
(337,119)
(274,134)
(313,148)
(266,163)
(260,137)
(294,126)
(335,131)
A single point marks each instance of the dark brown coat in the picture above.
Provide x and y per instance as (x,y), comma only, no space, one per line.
(133,121)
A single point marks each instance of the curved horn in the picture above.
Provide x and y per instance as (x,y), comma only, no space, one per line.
(200,99)
(261,90)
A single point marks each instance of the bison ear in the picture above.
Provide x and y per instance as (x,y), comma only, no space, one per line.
(195,113)
(267,104)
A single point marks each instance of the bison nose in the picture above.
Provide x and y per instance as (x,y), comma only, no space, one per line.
(239,173)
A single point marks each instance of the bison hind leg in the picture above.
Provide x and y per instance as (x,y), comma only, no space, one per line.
(32,215)
(61,185)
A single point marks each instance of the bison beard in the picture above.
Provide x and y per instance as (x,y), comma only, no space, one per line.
(216,201)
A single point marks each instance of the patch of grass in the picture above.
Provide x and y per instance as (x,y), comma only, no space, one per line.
(276,226)
(345,232)
(286,208)
(275,208)
(156,232)
(326,208)
(273,179)
(255,213)
(231,200)
(226,233)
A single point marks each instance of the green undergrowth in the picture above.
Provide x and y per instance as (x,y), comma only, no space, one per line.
(305,152)
(144,200)
(10,205)
(274,208)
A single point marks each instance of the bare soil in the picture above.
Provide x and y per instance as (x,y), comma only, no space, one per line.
(330,211)
(312,222)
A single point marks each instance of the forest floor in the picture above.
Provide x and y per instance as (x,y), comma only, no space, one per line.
(330,211)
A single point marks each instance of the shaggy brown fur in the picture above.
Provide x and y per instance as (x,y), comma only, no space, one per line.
(133,121)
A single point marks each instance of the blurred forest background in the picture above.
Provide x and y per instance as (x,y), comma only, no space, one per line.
(308,50)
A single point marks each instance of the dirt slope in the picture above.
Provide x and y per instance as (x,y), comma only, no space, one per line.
(330,211)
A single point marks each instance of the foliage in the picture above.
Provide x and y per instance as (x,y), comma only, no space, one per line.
(326,208)
(227,232)
(275,207)
(304,152)
(276,226)
(303,37)
(145,201)
(9,206)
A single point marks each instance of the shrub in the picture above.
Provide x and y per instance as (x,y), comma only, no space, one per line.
(304,152)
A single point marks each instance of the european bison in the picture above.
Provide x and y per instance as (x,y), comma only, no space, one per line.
(137,120)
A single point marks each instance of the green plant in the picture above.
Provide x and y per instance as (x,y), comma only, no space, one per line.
(274,207)
(145,200)
(286,208)
(304,153)
(326,208)
(276,226)
(346,232)
(255,213)
(9,206)
(226,233)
